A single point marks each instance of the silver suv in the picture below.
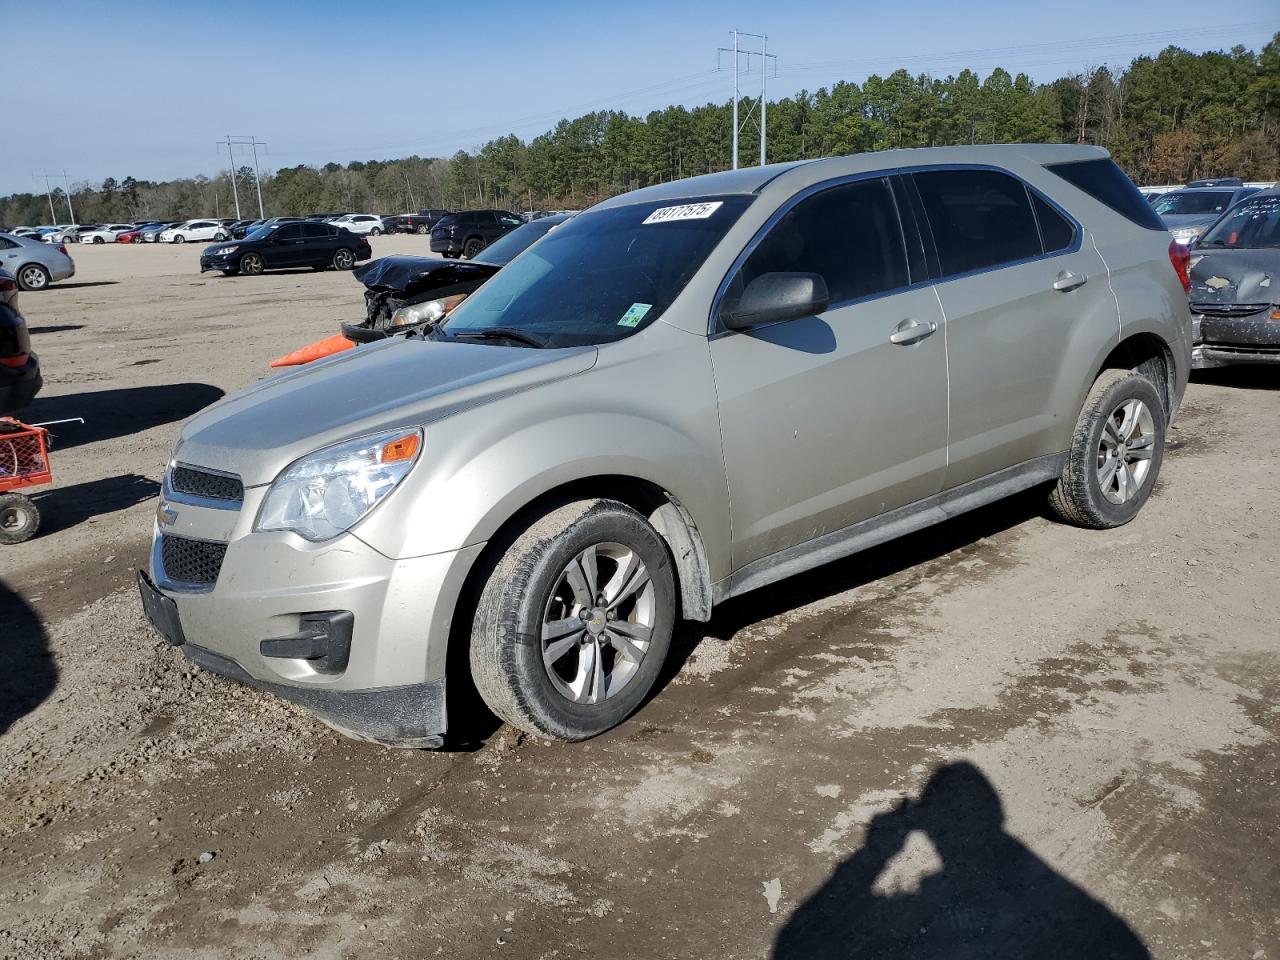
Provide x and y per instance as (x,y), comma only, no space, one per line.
(680,395)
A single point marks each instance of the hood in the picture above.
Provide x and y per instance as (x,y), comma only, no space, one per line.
(409,275)
(1235,276)
(398,382)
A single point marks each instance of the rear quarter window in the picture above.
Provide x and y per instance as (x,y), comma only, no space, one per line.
(1107,183)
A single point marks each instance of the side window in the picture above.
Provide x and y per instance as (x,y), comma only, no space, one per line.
(314,231)
(510,220)
(290,231)
(1056,231)
(979,218)
(849,234)
(6,244)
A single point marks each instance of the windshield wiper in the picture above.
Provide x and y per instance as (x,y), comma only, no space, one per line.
(498,333)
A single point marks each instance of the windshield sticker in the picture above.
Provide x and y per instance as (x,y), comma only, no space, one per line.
(686,211)
(635,313)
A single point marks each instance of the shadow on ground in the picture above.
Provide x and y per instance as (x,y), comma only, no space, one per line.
(993,899)
(55,328)
(64,285)
(117,413)
(64,507)
(29,675)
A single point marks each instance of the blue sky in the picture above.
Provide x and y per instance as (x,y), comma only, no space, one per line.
(146,88)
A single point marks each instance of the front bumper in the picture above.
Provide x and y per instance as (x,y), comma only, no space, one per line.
(216,263)
(1227,341)
(391,687)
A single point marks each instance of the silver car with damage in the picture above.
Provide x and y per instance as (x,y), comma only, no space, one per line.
(684,393)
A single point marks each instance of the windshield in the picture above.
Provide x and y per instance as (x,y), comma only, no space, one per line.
(1187,202)
(503,251)
(1255,223)
(602,276)
(262,232)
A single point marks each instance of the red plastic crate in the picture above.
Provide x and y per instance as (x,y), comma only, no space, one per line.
(24,455)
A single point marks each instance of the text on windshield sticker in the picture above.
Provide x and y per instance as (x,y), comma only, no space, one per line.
(685,211)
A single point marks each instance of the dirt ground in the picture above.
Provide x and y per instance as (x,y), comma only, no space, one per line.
(1084,725)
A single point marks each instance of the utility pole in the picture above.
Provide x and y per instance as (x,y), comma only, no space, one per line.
(232,157)
(49,193)
(257,179)
(765,56)
(67,183)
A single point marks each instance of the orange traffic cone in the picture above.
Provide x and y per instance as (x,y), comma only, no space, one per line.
(314,351)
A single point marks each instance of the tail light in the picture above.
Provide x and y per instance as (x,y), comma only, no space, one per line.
(1180,257)
(62,249)
(7,285)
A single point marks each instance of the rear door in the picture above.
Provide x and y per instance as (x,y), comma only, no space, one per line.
(1022,288)
(319,240)
(825,421)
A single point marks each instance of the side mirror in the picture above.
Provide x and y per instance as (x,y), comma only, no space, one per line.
(774,297)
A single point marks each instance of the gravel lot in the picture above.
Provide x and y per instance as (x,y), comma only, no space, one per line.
(1085,724)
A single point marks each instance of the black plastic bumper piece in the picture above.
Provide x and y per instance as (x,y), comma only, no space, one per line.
(412,715)
(324,638)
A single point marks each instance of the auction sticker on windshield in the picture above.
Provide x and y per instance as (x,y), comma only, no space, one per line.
(685,211)
(635,313)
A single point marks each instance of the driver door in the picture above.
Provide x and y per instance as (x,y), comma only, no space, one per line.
(833,419)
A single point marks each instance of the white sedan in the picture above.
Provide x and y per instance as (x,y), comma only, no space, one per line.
(195,230)
(360,223)
(106,233)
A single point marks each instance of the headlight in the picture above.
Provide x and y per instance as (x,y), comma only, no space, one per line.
(331,490)
(223,251)
(430,311)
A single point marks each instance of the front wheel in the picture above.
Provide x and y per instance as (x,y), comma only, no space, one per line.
(19,518)
(423,228)
(375,232)
(251,264)
(98,240)
(472,247)
(221,236)
(343,259)
(574,622)
(179,239)
(1115,453)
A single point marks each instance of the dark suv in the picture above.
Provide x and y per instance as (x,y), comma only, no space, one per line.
(19,368)
(469,232)
(282,245)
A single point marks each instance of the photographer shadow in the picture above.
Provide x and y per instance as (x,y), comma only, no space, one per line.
(993,899)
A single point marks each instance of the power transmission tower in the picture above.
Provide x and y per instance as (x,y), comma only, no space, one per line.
(765,56)
(49,193)
(255,143)
(67,184)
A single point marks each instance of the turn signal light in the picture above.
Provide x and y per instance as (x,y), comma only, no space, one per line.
(1275,313)
(400,449)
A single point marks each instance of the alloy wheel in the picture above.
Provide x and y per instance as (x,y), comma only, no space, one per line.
(33,278)
(598,623)
(1125,450)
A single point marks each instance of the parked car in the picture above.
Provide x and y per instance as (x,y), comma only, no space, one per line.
(305,244)
(130,236)
(554,476)
(467,233)
(19,367)
(107,233)
(420,222)
(195,230)
(34,264)
(24,232)
(67,233)
(1235,286)
(362,223)
(242,228)
(151,233)
(1189,212)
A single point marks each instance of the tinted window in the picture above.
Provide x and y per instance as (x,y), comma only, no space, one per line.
(290,231)
(1056,231)
(313,231)
(979,218)
(1107,184)
(848,234)
(1181,202)
(6,244)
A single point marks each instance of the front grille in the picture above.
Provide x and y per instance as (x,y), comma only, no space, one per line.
(201,483)
(191,561)
(1228,309)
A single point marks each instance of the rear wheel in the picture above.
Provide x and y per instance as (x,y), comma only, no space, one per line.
(179,239)
(574,622)
(1115,453)
(98,240)
(33,277)
(473,246)
(343,259)
(423,228)
(375,232)
(19,518)
(251,264)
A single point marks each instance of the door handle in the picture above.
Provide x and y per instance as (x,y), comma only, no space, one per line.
(1068,281)
(911,331)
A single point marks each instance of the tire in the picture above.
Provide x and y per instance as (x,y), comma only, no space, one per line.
(473,246)
(1122,414)
(375,232)
(343,259)
(19,518)
(423,228)
(98,240)
(530,587)
(179,238)
(221,236)
(251,264)
(33,277)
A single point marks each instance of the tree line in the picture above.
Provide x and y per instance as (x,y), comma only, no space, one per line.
(1167,118)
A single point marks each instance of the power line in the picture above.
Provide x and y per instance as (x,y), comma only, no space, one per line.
(764,55)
